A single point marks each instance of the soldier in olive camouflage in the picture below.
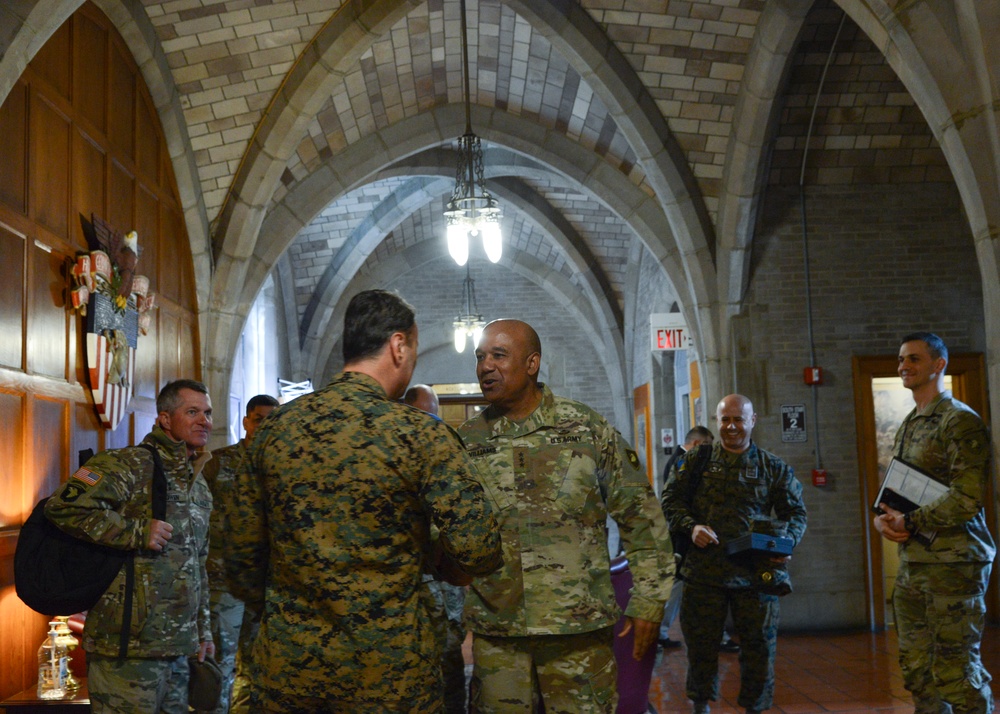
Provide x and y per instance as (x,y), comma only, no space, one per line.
(234,626)
(108,501)
(558,472)
(331,531)
(737,485)
(939,596)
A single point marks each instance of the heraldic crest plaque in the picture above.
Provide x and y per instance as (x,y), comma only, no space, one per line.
(116,303)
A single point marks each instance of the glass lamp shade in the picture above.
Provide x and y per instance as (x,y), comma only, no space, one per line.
(459,338)
(489,229)
(477,333)
(458,241)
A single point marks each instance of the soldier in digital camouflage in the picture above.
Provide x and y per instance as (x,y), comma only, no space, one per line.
(717,500)
(449,599)
(542,624)
(108,501)
(234,626)
(331,531)
(939,598)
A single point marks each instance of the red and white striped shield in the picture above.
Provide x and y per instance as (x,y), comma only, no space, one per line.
(110,400)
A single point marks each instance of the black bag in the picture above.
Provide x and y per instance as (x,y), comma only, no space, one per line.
(679,539)
(58,574)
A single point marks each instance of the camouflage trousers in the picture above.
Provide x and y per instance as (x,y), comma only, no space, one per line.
(755,619)
(227,617)
(137,684)
(569,674)
(240,700)
(265,701)
(448,628)
(940,611)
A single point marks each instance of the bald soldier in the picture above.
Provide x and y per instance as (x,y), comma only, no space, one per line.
(542,624)
(331,531)
(716,500)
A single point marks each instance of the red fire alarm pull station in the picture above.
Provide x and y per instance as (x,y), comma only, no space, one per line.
(812,375)
(819,477)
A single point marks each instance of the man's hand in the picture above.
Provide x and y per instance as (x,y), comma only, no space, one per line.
(159,533)
(704,536)
(206,649)
(891,525)
(645,635)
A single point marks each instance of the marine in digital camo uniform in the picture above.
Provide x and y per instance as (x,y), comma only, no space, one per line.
(740,484)
(109,501)
(449,599)
(233,625)
(559,470)
(331,531)
(939,596)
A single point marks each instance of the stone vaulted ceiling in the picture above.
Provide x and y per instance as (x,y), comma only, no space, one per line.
(316,138)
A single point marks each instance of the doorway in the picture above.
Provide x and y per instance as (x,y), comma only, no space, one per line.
(880,405)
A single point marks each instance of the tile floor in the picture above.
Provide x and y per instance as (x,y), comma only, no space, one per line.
(847,673)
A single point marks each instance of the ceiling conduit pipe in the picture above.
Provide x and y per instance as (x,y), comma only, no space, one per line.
(805,240)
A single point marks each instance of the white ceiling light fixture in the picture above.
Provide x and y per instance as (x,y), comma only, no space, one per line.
(470,323)
(472,209)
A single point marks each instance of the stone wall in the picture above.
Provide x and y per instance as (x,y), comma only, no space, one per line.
(878,271)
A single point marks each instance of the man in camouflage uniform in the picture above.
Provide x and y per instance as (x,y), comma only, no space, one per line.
(331,531)
(939,598)
(719,502)
(542,624)
(448,599)
(233,625)
(108,501)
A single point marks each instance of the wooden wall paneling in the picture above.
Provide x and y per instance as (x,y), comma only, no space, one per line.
(171,255)
(12,258)
(121,198)
(49,146)
(89,184)
(189,364)
(121,436)
(121,102)
(87,432)
(147,141)
(143,423)
(52,62)
(47,312)
(13,503)
(14,149)
(147,225)
(21,629)
(169,347)
(146,359)
(48,461)
(90,63)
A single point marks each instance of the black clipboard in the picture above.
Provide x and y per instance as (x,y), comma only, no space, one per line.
(906,488)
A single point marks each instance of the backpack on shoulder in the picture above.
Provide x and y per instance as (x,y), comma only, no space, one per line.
(58,574)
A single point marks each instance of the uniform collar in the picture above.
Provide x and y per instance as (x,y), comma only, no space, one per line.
(933,405)
(544,415)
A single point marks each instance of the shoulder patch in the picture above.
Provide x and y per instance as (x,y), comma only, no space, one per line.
(87,476)
(633,458)
(72,492)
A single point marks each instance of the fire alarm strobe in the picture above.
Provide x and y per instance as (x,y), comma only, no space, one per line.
(812,375)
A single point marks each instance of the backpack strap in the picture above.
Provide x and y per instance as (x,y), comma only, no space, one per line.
(159,503)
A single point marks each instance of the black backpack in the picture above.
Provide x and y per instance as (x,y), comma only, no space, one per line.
(58,574)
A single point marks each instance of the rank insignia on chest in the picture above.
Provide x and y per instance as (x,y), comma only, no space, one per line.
(633,458)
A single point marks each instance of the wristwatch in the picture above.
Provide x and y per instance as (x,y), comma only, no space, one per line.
(908,524)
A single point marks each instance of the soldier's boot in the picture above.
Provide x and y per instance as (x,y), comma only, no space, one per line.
(700,708)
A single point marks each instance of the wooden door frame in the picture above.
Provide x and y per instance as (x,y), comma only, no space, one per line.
(968,372)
